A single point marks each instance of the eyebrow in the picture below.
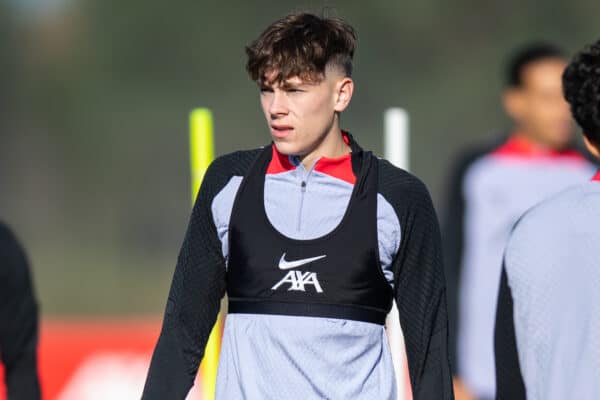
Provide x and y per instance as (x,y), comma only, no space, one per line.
(285,85)
(291,85)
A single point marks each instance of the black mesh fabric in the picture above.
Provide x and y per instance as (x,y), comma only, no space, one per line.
(196,291)
(509,381)
(18,320)
(419,284)
(453,235)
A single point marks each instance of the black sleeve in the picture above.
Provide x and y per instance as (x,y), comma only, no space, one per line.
(18,321)
(419,285)
(453,237)
(509,380)
(453,222)
(196,290)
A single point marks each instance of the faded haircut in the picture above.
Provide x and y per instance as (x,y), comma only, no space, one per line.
(303,45)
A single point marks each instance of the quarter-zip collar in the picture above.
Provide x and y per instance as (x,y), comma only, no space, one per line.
(340,167)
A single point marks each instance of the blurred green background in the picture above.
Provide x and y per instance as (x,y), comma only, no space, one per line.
(95,95)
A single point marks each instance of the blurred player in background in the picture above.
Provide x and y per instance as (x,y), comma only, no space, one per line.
(311,237)
(489,190)
(18,321)
(547,337)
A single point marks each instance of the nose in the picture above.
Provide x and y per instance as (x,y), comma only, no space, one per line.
(278,105)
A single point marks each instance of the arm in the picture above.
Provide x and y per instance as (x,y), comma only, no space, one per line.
(453,245)
(453,238)
(509,381)
(18,321)
(419,285)
(194,299)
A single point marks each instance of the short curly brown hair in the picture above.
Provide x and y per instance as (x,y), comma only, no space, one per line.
(581,86)
(303,45)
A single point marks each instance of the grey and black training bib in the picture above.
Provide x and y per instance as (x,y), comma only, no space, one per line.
(334,276)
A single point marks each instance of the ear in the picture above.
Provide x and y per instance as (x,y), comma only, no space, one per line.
(343,93)
(591,147)
(513,102)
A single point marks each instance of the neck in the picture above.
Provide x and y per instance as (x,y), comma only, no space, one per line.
(331,146)
(527,136)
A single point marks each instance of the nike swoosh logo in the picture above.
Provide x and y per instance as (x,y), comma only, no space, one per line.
(283,264)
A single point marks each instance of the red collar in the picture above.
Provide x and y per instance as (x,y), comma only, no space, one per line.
(596,177)
(340,167)
(518,146)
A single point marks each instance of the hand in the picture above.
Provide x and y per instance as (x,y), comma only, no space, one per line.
(461,392)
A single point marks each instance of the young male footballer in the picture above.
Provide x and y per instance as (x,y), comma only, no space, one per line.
(311,238)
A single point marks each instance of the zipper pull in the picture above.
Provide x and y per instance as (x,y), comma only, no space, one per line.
(303,186)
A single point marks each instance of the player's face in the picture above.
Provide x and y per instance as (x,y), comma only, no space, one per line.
(540,106)
(303,115)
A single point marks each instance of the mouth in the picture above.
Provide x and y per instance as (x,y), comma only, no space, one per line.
(281,131)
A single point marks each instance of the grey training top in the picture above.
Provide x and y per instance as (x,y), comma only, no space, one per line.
(552,266)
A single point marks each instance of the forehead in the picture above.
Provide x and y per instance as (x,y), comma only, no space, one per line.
(275,77)
(544,72)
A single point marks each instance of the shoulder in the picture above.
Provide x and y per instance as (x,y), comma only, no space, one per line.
(403,190)
(559,207)
(13,265)
(6,232)
(551,240)
(394,179)
(236,163)
(471,155)
(9,244)
(225,167)
(544,227)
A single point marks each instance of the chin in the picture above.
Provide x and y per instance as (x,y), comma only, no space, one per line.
(288,149)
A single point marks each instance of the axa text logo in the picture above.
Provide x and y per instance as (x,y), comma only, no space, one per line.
(298,279)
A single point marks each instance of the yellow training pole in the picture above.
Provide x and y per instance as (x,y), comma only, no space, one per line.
(201,155)
(201,146)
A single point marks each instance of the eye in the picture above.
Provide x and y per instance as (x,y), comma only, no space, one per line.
(265,89)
